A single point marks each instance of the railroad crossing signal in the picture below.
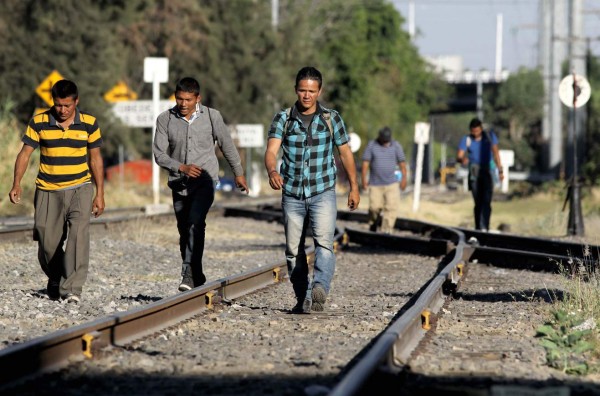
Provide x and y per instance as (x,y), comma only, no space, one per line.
(43,90)
(120,93)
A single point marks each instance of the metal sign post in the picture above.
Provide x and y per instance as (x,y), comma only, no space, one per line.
(574,91)
(156,71)
(421,138)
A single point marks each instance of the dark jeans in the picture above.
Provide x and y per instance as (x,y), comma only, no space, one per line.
(190,212)
(482,189)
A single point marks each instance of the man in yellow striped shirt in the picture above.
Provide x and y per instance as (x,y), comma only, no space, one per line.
(69,142)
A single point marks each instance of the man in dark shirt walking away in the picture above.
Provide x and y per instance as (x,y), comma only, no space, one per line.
(69,142)
(184,144)
(307,134)
(382,156)
(479,151)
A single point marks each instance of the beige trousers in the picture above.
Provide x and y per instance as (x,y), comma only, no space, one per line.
(64,216)
(384,200)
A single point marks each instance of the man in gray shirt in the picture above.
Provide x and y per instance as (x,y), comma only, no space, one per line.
(383,156)
(184,144)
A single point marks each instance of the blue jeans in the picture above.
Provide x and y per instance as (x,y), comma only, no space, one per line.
(190,212)
(319,213)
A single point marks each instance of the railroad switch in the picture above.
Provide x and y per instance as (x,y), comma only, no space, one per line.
(426,319)
(90,341)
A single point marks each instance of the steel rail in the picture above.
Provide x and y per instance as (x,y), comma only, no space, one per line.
(501,250)
(54,350)
(549,252)
(392,349)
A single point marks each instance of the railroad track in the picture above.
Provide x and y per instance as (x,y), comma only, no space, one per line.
(387,356)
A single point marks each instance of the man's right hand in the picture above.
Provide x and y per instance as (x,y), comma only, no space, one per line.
(15,194)
(190,170)
(275,180)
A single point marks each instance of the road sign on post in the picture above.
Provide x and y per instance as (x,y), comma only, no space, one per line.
(250,135)
(421,139)
(156,71)
(139,113)
(120,93)
(354,142)
(507,157)
(45,87)
(574,91)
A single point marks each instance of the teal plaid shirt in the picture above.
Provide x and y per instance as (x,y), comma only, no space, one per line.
(308,166)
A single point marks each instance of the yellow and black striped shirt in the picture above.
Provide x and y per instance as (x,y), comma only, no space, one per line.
(63,152)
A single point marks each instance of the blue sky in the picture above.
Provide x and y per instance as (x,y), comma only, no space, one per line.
(468,28)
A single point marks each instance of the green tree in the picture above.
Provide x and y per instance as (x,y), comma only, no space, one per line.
(71,36)
(517,108)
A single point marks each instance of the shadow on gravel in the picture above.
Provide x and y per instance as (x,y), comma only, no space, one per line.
(548,296)
(411,384)
(251,246)
(141,298)
(122,381)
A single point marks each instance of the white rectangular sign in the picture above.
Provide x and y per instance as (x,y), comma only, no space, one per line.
(422,132)
(250,135)
(139,113)
(156,69)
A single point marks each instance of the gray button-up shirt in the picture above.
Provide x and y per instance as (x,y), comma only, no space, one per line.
(178,142)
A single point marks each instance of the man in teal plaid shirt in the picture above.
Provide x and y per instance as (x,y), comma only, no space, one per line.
(307,134)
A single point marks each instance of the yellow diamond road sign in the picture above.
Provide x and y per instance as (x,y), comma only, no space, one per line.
(43,90)
(120,93)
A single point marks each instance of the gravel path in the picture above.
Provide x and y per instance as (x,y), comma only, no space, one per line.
(134,264)
(255,346)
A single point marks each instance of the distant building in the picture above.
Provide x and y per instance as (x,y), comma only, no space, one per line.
(451,67)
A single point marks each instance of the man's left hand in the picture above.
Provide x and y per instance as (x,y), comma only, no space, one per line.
(240,182)
(98,206)
(353,199)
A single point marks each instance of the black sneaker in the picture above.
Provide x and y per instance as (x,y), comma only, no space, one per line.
(319,296)
(302,307)
(187,283)
(52,289)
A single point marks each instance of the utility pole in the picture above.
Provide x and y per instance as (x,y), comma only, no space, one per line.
(411,20)
(275,14)
(577,65)
(558,55)
(545,61)
(498,71)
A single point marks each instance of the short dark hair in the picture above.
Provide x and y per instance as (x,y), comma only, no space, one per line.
(385,134)
(64,89)
(475,122)
(309,73)
(188,84)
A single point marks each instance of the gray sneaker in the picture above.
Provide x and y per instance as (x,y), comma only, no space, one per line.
(187,283)
(319,296)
